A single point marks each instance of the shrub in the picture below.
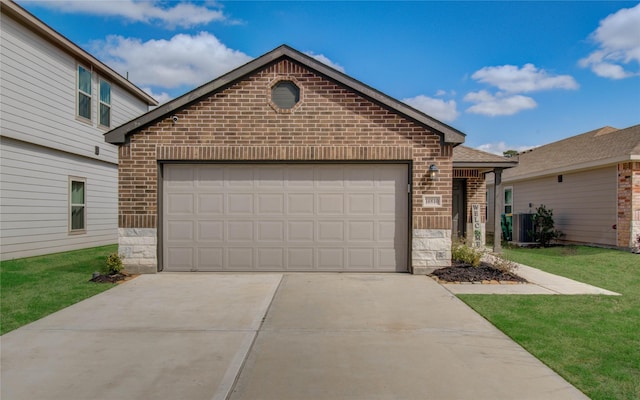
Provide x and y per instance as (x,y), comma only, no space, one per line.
(462,253)
(544,230)
(113,264)
(503,264)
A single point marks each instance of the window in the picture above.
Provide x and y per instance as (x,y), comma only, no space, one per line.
(77,206)
(105,104)
(508,200)
(84,92)
(285,95)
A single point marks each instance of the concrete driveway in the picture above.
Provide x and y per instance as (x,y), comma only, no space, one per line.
(272,336)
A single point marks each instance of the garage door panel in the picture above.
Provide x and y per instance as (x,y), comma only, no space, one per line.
(210,231)
(330,204)
(330,231)
(270,259)
(296,217)
(300,259)
(240,258)
(240,203)
(270,177)
(270,204)
(300,178)
(330,177)
(239,231)
(180,203)
(300,231)
(209,177)
(300,204)
(181,231)
(270,231)
(358,231)
(210,203)
(361,204)
(180,176)
(330,259)
(360,177)
(386,204)
(180,258)
(361,259)
(237,176)
(210,259)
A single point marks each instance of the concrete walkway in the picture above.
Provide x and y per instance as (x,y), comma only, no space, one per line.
(272,336)
(540,282)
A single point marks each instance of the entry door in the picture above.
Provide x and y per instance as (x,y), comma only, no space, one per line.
(458,225)
(293,217)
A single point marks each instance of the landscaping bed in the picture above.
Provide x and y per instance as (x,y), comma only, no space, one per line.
(113,278)
(483,273)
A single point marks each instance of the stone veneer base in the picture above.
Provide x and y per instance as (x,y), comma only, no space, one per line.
(138,249)
(430,250)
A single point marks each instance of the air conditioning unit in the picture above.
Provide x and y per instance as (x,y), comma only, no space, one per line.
(523,228)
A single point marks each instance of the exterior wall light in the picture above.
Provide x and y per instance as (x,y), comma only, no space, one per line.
(433,172)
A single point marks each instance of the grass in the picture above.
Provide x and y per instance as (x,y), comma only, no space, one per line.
(34,287)
(592,341)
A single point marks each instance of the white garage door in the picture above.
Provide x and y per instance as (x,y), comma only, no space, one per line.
(293,217)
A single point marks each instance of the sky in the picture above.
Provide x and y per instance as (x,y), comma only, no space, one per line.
(511,75)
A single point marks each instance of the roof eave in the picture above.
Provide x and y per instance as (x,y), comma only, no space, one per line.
(573,168)
(449,134)
(485,165)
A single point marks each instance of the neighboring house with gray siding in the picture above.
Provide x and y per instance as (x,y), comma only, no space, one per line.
(590,181)
(58,178)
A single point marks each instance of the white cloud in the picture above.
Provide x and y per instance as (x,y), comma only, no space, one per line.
(182,60)
(488,104)
(500,147)
(162,97)
(437,108)
(183,15)
(325,60)
(618,38)
(511,79)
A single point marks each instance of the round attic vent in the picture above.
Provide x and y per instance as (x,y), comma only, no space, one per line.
(285,95)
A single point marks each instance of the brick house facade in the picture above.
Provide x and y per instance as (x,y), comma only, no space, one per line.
(234,120)
(628,227)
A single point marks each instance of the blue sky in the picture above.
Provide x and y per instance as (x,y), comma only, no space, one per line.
(511,75)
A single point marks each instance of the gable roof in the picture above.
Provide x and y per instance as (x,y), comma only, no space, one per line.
(45,31)
(448,134)
(466,157)
(597,148)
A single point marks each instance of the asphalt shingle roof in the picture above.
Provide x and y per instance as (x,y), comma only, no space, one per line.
(599,147)
(466,157)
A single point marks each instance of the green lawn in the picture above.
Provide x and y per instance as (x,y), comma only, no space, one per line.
(592,341)
(34,287)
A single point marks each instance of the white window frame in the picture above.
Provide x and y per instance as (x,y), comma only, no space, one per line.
(80,93)
(73,179)
(504,198)
(101,103)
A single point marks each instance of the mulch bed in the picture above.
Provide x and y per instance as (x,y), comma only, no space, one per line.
(484,273)
(116,278)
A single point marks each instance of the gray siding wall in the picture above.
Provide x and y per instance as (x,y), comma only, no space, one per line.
(43,143)
(584,204)
(34,200)
(38,99)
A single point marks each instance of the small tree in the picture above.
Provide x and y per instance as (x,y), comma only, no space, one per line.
(543,226)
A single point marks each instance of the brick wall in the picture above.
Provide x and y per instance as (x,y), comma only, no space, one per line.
(628,226)
(240,123)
